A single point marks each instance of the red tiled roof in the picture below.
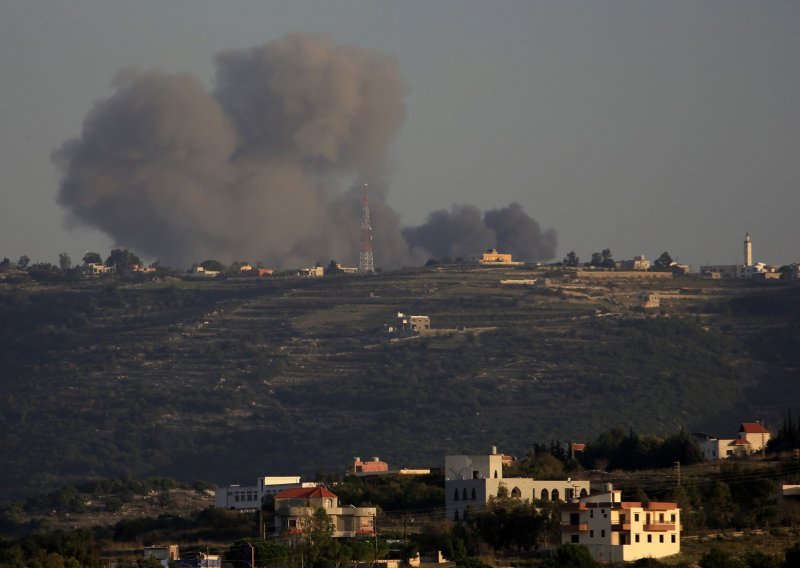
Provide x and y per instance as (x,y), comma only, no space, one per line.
(753,428)
(305,493)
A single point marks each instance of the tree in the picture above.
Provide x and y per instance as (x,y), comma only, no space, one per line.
(607,262)
(5,264)
(92,258)
(64,261)
(213,265)
(663,261)
(23,262)
(718,558)
(597,259)
(123,259)
(571,556)
(571,259)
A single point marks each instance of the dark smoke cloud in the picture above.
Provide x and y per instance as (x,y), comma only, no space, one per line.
(464,231)
(255,169)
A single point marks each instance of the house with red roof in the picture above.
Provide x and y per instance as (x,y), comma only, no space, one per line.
(753,438)
(295,507)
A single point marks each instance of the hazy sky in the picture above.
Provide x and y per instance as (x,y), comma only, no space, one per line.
(634,125)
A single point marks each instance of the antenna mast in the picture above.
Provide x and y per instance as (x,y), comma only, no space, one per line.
(366,264)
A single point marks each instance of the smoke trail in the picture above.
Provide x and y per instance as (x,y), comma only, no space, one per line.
(254,169)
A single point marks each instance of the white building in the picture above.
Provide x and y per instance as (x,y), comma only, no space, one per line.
(618,531)
(470,481)
(250,496)
(753,438)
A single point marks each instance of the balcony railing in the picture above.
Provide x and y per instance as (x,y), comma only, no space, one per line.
(659,527)
(582,527)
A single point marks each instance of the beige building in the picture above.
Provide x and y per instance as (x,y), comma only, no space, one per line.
(470,481)
(412,324)
(294,509)
(618,531)
(493,258)
(638,263)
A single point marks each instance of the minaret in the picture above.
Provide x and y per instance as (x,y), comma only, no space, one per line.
(748,250)
(365,261)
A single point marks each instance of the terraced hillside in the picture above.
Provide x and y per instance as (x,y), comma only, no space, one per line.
(223,381)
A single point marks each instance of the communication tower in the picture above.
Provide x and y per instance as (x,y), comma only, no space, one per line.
(366,263)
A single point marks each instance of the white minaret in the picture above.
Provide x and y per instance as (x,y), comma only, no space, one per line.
(748,250)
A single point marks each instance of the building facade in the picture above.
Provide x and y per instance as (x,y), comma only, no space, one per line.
(618,531)
(294,509)
(251,496)
(471,480)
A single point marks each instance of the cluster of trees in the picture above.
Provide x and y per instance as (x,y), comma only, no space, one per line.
(122,259)
(614,449)
(604,259)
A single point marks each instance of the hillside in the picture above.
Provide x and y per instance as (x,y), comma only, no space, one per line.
(223,381)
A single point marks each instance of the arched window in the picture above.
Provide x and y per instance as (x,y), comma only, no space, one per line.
(516,493)
(455,515)
(545,495)
(464,494)
(584,493)
(495,474)
(455,495)
(555,495)
(474,496)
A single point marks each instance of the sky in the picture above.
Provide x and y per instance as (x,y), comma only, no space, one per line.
(639,126)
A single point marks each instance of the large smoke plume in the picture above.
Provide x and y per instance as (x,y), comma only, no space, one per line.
(255,169)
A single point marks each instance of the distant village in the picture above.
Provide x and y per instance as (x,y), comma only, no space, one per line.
(125,265)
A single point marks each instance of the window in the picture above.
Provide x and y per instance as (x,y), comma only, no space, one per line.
(516,493)
(591,534)
(637,538)
(649,538)
(661,518)
(455,495)
(672,517)
(672,538)
(591,513)
(475,474)
(495,474)
(636,517)
(473,494)
(464,494)
(555,495)
(576,538)
(661,538)
(545,495)
(603,533)
(584,493)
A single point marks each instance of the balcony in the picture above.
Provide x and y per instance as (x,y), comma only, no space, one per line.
(621,527)
(659,527)
(582,527)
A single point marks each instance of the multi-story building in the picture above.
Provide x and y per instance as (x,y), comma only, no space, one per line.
(618,531)
(470,481)
(251,496)
(295,508)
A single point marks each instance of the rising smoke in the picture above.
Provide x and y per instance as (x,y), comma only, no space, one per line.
(255,169)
